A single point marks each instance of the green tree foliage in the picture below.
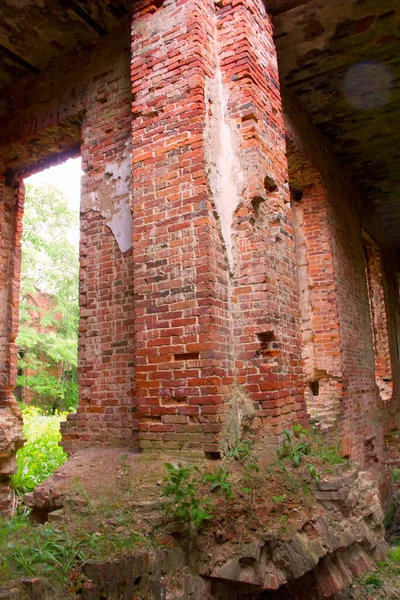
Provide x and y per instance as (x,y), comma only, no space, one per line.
(48,337)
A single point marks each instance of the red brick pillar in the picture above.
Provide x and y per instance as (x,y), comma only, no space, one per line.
(214,272)
(106,413)
(11,438)
(180,275)
(264,291)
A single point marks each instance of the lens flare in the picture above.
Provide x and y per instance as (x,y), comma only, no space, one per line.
(367,85)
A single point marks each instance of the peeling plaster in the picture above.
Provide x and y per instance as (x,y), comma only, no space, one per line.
(121,224)
(112,200)
(222,156)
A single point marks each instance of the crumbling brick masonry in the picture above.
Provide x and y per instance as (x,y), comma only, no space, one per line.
(239,218)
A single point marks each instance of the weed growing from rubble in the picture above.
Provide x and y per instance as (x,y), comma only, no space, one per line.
(385,580)
(373,581)
(8,529)
(396,475)
(294,483)
(47,552)
(241,451)
(184,493)
(296,445)
(55,554)
(183,501)
(80,489)
(313,471)
(394,554)
(329,454)
(300,443)
(125,471)
(283,524)
(219,481)
(279,499)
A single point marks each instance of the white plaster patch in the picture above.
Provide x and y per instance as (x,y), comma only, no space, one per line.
(112,200)
(121,224)
(120,173)
(223,166)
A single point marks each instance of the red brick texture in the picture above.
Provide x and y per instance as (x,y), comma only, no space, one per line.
(363,416)
(202,324)
(180,275)
(106,412)
(194,318)
(264,290)
(318,292)
(11,208)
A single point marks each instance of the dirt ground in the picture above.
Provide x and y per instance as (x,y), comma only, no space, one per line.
(106,491)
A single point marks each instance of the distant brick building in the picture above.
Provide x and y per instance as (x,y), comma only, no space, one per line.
(41,304)
(240,222)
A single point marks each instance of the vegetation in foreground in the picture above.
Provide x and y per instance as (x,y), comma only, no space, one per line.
(187,498)
(53,554)
(382,584)
(41,455)
(234,494)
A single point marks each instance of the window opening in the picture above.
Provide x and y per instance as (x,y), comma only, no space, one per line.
(47,386)
(378,313)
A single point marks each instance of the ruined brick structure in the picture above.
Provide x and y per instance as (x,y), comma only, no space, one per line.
(239,216)
(40,303)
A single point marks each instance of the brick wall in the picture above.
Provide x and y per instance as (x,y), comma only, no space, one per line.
(90,102)
(106,412)
(11,208)
(363,417)
(180,275)
(199,324)
(379,321)
(84,106)
(216,304)
(318,292)
(265,291)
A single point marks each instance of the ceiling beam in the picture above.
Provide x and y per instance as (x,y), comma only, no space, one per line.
(18,59)
(78,10)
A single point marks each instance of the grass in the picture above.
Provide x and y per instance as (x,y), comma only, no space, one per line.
(55,553)
(189,494)
(396,475)
(41,455)
(300,443)
(385,580)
